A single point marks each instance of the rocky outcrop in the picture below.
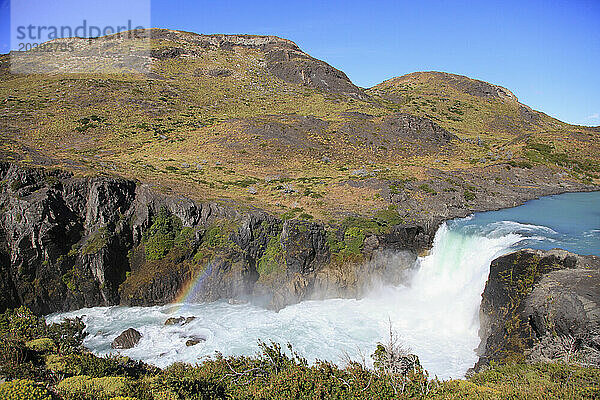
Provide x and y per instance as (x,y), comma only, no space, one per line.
(541,306)
(470,86)
(68,243)
(283,58)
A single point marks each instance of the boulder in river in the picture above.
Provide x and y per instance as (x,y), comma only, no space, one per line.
(179,320)
(127,339)
(194,340)
(175,321)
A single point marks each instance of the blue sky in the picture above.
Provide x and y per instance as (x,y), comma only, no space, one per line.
(546,52)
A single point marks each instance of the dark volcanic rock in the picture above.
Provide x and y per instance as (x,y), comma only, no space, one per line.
(64,239)
(422,130)
(68,243)
(541,305)
(179,320)
(127,339)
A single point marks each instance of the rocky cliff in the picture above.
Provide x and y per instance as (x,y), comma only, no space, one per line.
(69,242)
(540,306)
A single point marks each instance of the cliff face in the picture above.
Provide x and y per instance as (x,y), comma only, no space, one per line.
(541,306)
(67,243)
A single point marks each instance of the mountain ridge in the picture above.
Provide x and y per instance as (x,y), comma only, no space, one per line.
(255,120)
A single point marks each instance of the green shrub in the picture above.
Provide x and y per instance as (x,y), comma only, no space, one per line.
(67,335)
(17,361)
(215,237)
(82,387)
(388,217)
(97,241)
(469,196)
(41,345)
(427,189)
(520,164)
(272,257)
(25,337)
(354,239)
(185,238)
(356,229)
(21,324)
(23,389)
(366,225)
(305,216)
(94,366)
(159,239)
(290,214)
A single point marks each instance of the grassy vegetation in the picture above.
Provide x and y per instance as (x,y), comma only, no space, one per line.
(548,154)
(346,244)
(272,258)
(66,372)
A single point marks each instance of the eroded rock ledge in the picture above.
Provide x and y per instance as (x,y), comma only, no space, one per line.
(541,306)
(68,243)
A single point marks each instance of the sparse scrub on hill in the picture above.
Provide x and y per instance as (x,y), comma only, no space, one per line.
(228,107)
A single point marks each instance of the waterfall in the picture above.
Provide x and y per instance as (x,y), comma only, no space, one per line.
(434,311)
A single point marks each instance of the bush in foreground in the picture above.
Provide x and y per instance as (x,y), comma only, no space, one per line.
(23,389)
(60,369)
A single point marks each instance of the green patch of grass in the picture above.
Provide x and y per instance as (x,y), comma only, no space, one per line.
(388,217)
(215,237)
(272,259)
(70,279)
(427,189)
(354,239)
(290,214)
(244,183)
(469,195)
(545,153)
(521,164)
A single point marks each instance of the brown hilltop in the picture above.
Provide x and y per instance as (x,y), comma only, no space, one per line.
(473,87)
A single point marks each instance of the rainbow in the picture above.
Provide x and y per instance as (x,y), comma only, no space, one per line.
(189,293)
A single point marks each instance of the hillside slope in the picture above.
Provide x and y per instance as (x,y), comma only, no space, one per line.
(254,120)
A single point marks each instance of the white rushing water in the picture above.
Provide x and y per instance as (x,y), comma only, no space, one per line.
(435,313)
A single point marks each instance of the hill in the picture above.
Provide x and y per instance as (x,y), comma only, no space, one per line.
(254,120)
